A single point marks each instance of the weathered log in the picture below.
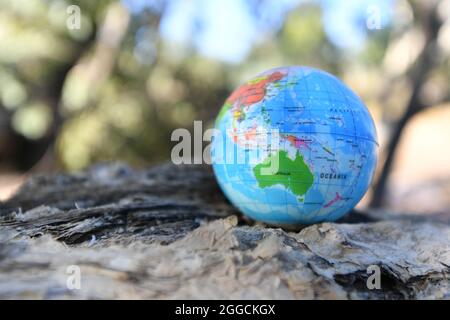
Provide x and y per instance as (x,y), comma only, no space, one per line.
(168,232)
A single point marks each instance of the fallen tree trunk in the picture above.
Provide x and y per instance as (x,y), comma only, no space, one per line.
(168,232)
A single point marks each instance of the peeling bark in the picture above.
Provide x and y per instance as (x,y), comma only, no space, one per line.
(168,232)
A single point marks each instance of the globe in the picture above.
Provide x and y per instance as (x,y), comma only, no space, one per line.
(294,145)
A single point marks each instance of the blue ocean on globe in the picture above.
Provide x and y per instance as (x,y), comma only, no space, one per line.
(294,145)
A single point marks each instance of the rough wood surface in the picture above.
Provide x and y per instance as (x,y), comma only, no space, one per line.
(167,232)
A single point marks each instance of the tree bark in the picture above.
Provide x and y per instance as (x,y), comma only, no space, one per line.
(426,62)
(168,232)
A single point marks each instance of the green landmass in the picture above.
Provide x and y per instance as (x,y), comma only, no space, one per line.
(293,174)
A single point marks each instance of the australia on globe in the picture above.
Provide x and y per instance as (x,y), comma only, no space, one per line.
(294,145)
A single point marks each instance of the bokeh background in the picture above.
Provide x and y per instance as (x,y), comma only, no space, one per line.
(116,83)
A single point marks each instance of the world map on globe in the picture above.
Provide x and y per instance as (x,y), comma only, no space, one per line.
(295,146)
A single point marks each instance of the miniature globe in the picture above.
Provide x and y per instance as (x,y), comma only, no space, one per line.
(294,145)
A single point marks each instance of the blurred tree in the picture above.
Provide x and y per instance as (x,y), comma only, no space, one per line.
(419,75)
(34,65)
